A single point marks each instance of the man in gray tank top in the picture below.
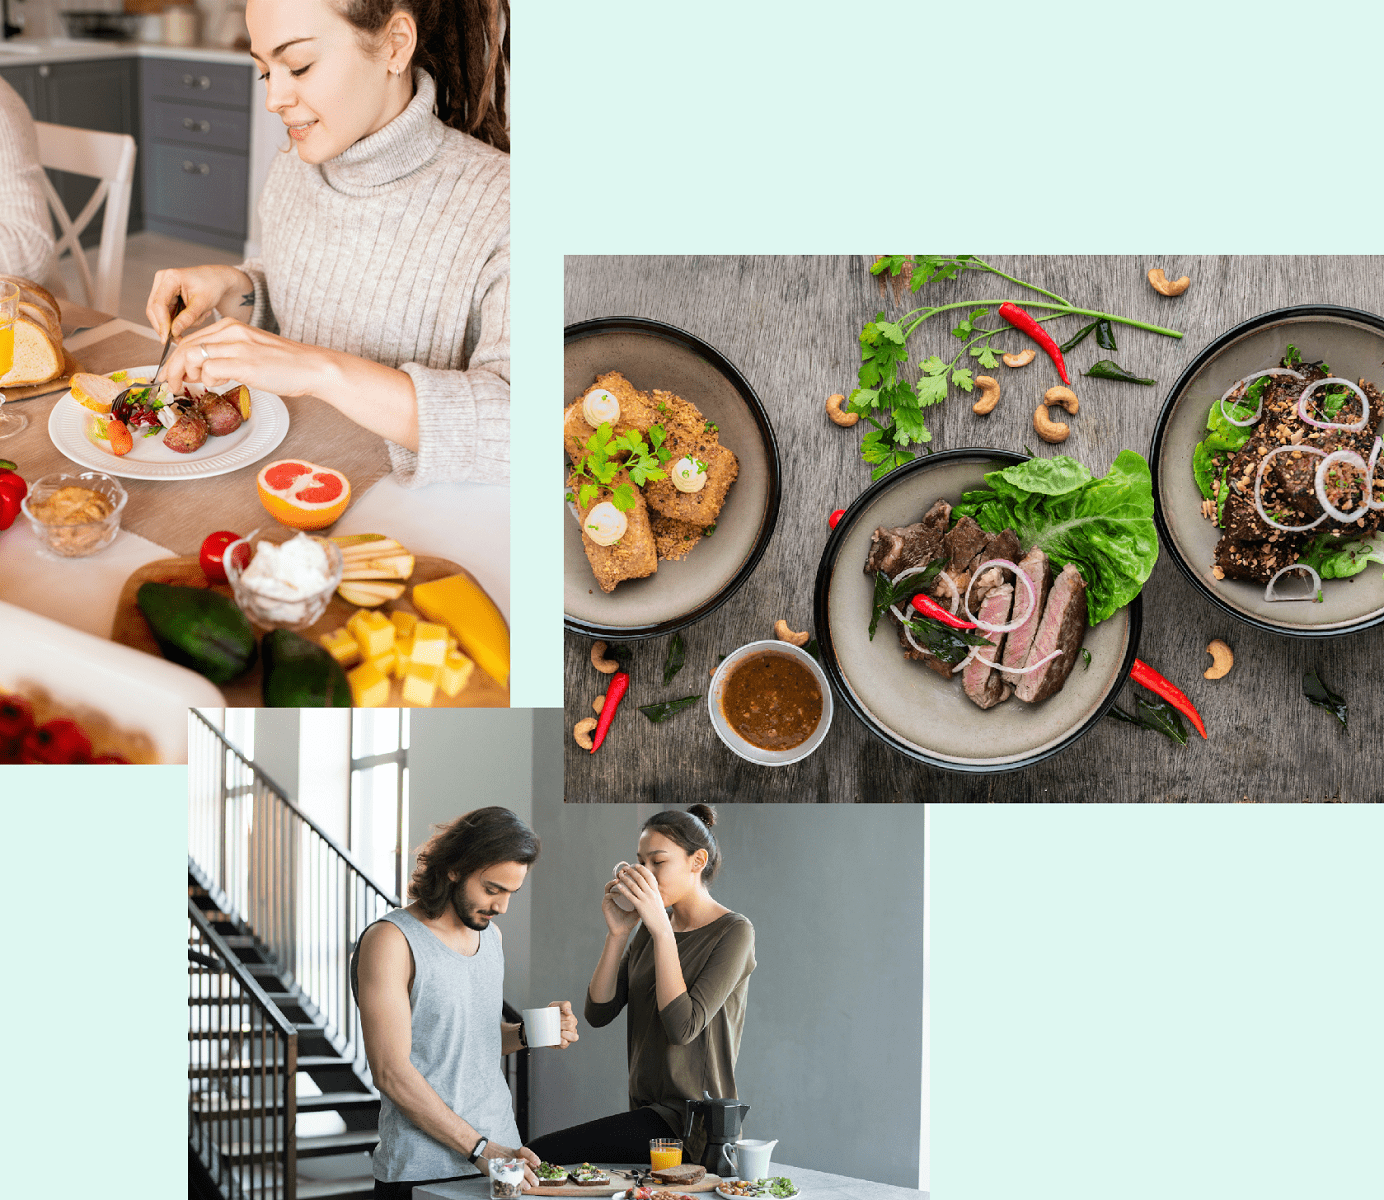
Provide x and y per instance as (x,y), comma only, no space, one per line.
(429,981)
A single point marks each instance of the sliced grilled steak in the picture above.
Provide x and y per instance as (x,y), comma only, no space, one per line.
(981,682)
(1036,566)
(895,550)
(1063,626)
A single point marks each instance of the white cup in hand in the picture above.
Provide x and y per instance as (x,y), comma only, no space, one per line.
(621,901)
(543,1026)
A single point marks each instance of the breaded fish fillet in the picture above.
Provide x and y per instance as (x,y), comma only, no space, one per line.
(674,539)
(690,435)
(636,412)
(634,555)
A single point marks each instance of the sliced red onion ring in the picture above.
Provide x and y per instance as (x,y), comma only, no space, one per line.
(1245,382)
(975,653)
(1338,514)
(1047,658)
(1316,583)
(951,587)
(894,608)
(1028,586)
(1346,383)
(1369,476)
(1259,480)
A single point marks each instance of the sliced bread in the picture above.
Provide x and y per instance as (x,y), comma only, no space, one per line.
(36,358)
(682,1176)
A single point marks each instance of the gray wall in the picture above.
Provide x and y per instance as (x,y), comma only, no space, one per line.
(832,1052)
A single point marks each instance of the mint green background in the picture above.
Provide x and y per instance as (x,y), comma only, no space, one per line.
(93,862)
(1152,1002)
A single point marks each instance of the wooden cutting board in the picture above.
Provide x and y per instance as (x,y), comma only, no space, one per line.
(70,367)
(131,629)
(618,1180)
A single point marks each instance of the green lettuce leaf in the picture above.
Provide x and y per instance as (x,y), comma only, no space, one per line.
(1333,559)
(1104,526)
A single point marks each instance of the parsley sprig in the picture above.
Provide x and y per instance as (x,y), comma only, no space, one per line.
(893,406)
(609,455)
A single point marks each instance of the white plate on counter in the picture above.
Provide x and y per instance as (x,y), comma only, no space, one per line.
(71,425)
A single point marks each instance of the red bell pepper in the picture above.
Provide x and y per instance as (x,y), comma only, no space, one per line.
(1145,676)
(930,608)
(1026,324)
(13,489)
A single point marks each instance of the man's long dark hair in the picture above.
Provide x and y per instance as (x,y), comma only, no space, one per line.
(464,46)
(469,844)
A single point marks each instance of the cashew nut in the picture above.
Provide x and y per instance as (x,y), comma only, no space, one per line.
(1020,358)
(582,732)
(989,390)
(837,413)
(606,666)
(1165,286)
(1222,659)
(784,634)
(1063,398)
(597,704)
(1047,429)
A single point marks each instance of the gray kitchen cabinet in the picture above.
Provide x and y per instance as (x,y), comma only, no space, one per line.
(24,80)
(196,147)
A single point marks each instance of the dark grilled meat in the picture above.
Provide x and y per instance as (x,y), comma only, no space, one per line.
(1063,626)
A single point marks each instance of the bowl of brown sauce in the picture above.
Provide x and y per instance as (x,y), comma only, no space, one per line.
(770,702)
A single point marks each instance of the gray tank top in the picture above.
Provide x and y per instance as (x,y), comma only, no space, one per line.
(456,1004)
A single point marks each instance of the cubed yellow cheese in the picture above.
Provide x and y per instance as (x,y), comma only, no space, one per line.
(404,623)
(386,663)
(403,657)
(419,684)
(374,633)
(342,646)
(460,603)
(429,644)
(456,671)
(369,688)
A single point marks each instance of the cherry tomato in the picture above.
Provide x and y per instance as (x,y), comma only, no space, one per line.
(836,516)
(59,741)
(212,550)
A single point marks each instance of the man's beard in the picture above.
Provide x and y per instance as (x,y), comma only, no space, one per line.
(465,913)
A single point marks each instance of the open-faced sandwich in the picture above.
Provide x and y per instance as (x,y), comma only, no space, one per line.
(128,408)
(550,1173)
(649,476)
(588,1176)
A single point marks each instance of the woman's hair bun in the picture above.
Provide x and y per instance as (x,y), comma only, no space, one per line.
(704,813)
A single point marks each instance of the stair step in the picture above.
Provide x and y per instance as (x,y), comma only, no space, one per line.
(307,1147)
(336,1189)
(335,1101)
(306,1062)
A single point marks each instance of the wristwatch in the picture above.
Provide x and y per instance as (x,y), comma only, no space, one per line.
(476,1153)
(523,1039)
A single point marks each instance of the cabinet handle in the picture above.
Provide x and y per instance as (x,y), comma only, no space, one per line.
(199,126)
(197,81)
(193,168)
(44,71)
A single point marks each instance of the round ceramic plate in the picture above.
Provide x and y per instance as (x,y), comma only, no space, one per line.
(71,426)
(904,703)
(736,1196)
(653,355)
(1352,342)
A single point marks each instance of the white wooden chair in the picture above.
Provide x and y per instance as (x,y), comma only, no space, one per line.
(109,157)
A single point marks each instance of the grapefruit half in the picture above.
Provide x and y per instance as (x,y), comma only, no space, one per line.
(303,495)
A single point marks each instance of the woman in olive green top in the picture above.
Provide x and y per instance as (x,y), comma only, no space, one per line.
(684,976)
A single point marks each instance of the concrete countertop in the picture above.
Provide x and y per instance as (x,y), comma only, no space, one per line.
(19,51)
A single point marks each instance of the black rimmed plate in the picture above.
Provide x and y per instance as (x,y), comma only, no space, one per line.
(905,704)
(652,355)
(1352,343)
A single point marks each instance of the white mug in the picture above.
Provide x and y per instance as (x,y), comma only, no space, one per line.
(750,1158)
(623,902)
(543,1026)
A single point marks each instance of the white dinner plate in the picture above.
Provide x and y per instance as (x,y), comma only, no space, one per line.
(733,1196)
(71,426)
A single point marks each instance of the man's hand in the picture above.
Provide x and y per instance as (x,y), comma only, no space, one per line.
(529,1158)
(568,1032)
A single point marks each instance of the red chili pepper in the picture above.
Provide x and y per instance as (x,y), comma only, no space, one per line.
(619,685)
(1026,324)
(1145,676)
(836,516)
(930,608)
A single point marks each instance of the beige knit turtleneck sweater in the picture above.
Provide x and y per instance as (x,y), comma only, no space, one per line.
(26,231)
(397,250)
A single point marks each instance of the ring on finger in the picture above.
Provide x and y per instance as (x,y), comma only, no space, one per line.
(205,355)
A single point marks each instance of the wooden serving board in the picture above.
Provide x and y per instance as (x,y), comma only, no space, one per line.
(131,629)
(618,1180)
(70,367)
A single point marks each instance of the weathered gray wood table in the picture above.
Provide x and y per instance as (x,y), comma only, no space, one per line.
(791,326)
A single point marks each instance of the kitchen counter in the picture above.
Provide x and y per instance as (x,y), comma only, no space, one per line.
(812,1185)
(18,51)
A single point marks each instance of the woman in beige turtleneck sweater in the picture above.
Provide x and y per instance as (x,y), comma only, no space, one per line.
(383,287)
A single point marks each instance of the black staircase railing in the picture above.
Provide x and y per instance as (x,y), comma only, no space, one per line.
(242,1062)
(305,897)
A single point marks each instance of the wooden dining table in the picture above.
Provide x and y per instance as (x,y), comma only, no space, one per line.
(167,518)
(791,326)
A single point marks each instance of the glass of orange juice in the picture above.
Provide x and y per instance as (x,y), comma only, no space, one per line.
(10,423)
(665,1153)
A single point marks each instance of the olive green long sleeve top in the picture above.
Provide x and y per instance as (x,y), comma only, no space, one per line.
(691,1045)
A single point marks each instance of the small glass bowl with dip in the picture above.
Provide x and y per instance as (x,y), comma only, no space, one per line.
(75,515)
(283,585)
(781,674)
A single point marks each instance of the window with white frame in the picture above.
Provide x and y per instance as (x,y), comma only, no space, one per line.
(379,793)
